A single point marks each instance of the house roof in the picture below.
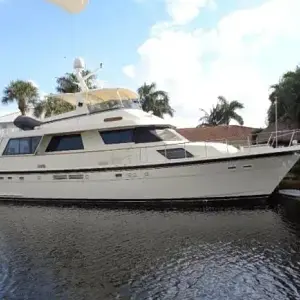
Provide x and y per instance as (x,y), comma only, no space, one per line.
(214,133)
(9,118)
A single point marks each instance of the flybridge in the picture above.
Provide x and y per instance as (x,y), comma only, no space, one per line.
(86,101)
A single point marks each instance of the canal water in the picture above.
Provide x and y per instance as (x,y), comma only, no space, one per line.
(93,253)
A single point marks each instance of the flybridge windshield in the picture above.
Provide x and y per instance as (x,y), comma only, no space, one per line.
(114,104)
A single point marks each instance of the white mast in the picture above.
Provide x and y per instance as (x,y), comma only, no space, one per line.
(276,123)
(79,66)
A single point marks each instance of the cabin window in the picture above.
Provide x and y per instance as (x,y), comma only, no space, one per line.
(146,135)
(139,135)
(21,146)
(117,136)
(65,143)
(175,153)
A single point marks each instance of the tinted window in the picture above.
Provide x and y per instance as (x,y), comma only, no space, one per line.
(175,153)
(117,136)
(137,135)
(146,135)
(65,143)
(20,146)
(24,146)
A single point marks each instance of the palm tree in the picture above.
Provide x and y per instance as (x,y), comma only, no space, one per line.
(68,82)
(212,118)
(229,110)
(52,106)
(22,92)
(222,113)
(154,100)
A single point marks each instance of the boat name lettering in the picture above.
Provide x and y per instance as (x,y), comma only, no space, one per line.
(131,175)
(41,166)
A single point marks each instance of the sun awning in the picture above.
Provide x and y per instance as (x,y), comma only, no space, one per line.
(72,6)
(99,95)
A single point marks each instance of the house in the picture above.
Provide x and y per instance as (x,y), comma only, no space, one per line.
(7,121)
(285,133)
(234,134)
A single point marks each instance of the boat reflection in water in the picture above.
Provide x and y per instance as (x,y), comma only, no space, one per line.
(71,253)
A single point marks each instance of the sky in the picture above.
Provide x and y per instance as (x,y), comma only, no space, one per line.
(196,50)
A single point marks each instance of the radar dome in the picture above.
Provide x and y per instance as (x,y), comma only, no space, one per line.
(79,63)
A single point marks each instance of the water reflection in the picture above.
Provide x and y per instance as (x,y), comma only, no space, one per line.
(73,253)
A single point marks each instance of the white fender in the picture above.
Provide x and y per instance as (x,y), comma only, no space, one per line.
(71,6)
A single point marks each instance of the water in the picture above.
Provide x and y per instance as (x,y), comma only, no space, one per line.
(76,253)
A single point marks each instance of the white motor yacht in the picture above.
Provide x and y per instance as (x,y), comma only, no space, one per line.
(109,149)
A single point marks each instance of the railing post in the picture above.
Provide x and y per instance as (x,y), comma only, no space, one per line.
(291,140)
(227,146)
(269,140)
(248,142)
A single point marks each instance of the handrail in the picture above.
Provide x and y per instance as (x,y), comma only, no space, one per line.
(286,133)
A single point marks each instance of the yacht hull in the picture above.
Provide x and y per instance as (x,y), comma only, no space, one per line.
(206,180)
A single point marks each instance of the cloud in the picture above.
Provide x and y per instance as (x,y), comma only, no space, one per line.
(245,52)
(184,11)
(41,93)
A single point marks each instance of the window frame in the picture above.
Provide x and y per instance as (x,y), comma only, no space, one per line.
(64,150)
(19,139)
(116,131)
(46,151)
(166,153)
(134,131)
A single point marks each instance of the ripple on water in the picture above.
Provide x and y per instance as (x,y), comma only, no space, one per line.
(59,253)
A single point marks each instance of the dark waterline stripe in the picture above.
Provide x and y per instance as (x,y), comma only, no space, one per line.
(132,201)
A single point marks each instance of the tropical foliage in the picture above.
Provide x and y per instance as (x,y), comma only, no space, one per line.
(69,83)
(222,113)
(155,100)
(22,92)
(287,93)
(51,106)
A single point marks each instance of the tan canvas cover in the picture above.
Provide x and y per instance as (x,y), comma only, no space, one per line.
(72,6)
(99,95)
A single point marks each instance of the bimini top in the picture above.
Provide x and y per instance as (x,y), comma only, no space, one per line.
(99,95)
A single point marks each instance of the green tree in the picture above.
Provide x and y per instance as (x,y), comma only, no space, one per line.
(212,118)
(287,93)
(222,113)
(69,83)
(229,109)
(21,92)
(155,100)
(52,106)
